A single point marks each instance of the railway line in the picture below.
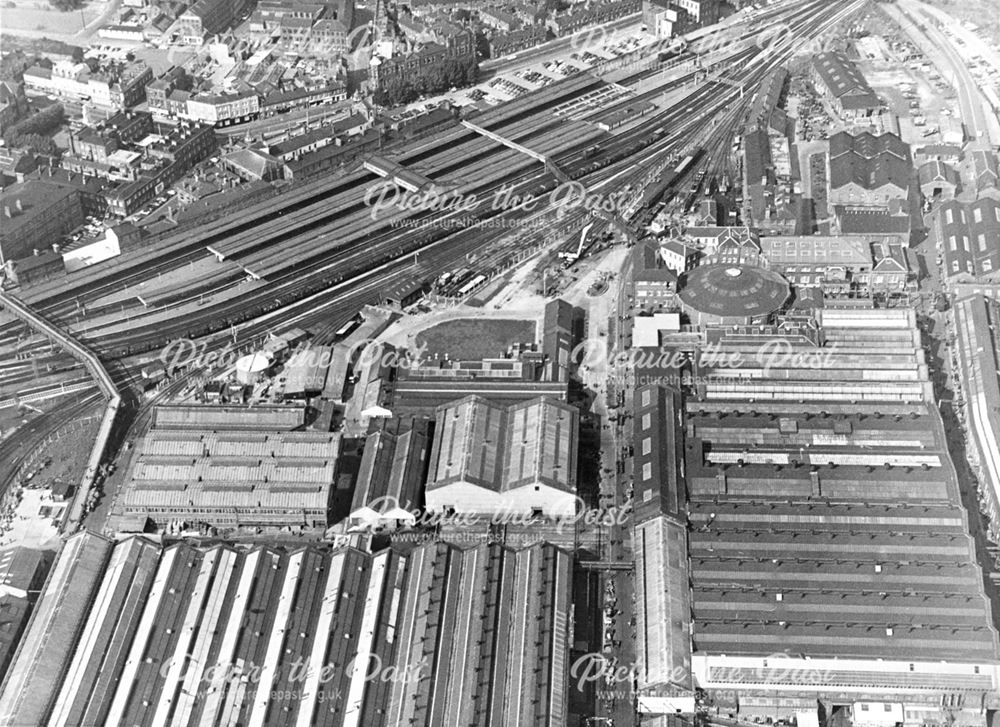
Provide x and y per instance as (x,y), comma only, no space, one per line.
(322,285)
(284,224)
(288,210)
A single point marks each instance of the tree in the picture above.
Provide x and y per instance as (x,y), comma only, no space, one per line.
(36,142)
(66,5)
(47,120)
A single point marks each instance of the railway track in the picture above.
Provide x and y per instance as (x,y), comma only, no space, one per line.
(314,295)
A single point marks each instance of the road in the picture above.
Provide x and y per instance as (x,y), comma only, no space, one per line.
(940,50)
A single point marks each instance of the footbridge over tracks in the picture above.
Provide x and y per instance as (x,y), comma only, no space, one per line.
(550,165)
(404,178)
(96,369)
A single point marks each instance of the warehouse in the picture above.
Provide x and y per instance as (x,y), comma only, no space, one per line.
(390,479)
(44,655)
(184,416)
(829,548)
(977,323)
(492,459)
(231,478)
(307,638)
(662,595)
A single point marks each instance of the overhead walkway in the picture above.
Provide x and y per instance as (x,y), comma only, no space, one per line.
(405,178)
(550,165)
(96,369)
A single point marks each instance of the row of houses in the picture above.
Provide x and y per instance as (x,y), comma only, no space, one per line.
(171,97)
(114,88)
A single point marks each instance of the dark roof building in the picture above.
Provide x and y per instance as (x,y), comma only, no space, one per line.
(968,236)
(37,214)
(658,487)
(192,636)
(827,533)
(730,294)
(839,78)
(489,458)
(22,574)
(22,570)
(765,112)
(868,170)
(46,651)
(850,220)
(391,477)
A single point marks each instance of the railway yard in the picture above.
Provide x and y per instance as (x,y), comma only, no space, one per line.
(314,255)
(627,382)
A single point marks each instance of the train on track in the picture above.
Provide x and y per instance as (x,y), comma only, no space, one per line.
(670,181)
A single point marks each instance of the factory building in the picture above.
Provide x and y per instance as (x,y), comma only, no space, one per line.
(538,369)
(391,476)
(662,594)
(839,79)
(977,324)
(246,474)
(309,637)
(869,170)
(844,265)
(830,555)
(46,652)
(519,459)
(968,237)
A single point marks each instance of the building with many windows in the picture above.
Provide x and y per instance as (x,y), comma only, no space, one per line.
(165,159)
(119,87)
(968,238)
(869,170)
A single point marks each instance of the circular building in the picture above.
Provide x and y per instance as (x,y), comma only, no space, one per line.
(251,367)
(732,294)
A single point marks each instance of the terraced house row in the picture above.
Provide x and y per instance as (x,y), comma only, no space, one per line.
(135,634)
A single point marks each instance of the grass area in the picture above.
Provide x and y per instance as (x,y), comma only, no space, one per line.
(475,338)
